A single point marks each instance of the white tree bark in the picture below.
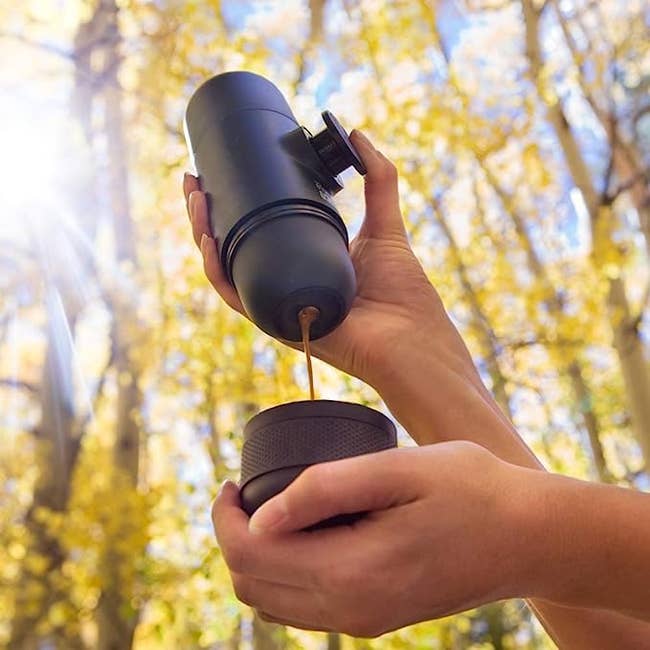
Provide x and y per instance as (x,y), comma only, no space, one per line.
(116,615)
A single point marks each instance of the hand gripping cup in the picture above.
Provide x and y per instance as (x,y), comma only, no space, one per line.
(281,442)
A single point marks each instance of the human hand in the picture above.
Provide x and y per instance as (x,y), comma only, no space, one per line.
(438,539)
(396,312)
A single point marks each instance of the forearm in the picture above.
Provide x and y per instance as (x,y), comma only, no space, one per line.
(593,539)
(588,562)
(420,398)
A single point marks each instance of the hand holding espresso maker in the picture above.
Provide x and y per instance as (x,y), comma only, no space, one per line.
(283,245)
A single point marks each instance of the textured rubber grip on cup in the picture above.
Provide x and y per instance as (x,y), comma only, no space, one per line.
(310,440)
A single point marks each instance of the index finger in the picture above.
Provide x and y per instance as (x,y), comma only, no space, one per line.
(298,559)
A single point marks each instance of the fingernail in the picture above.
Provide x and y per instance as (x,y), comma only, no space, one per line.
(222,487)
(268,516)
(204,242)
(190,203)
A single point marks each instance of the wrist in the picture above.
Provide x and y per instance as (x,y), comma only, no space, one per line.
(532,531)
(437,396)
(426,347)
(563,538)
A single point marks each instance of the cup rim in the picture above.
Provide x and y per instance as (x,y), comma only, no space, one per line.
(324,408)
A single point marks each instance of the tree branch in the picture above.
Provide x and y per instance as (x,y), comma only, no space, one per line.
(524,343)
(627,185)
(40,45)
(18,383)
(644,110)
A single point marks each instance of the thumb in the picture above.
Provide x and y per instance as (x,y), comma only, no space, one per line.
(369,482)
(383,215)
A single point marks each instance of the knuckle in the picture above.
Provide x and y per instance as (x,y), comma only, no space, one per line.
(311,476)
(469,449)
(243,588)
(317,481)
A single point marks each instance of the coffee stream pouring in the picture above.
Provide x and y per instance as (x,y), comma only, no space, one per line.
(283,245)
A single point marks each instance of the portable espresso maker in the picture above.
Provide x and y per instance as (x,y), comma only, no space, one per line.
(269,185)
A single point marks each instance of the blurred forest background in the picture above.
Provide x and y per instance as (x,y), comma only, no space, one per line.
(521,129)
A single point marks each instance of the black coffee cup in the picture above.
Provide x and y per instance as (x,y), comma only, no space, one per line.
(282,441)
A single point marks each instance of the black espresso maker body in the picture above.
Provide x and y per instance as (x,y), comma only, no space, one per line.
(269,185)
(282,244)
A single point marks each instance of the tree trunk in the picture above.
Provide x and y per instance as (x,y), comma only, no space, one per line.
(537,269)
(59,431)
(333,641)
(554,112)
(626,158)
(312,42)
(585,406)
(56,453)
(581,392)
(266,636)
(116,614)
(635,367)
(627,343)
(493,614)
(487,336)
